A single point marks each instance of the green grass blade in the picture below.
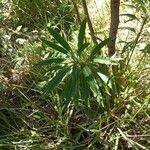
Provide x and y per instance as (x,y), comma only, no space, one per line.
(55,47)
(59,39)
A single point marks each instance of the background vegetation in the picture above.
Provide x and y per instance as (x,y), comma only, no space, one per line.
(59,88)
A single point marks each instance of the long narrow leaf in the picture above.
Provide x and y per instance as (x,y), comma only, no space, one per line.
(128,28)
(81,35)
(50,61)
(55,46)
(83,47)
(67,91)
(54,68)
(55,80)
(105,79)
(84,88)
(133,17)
(59,39)
(91,81)
(98,47)
(71,89)
(75,81)
(105,61)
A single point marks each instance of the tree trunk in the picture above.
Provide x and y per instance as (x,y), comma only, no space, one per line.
(115,4)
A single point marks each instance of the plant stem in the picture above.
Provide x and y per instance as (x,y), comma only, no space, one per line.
(77,12)
(135,42)
(84,4)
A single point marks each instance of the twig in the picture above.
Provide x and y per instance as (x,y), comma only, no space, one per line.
(89,21)
(77,12)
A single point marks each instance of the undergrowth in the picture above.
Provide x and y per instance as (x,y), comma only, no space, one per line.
(111,111)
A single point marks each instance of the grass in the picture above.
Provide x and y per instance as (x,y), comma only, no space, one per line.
(31,120)
(37,122)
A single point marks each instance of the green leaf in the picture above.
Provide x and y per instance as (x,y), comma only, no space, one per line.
(81,35)
(128,28)
(84,88)
(54,68)
(55,46)
(72,86)
(98,47)
(50,61)
(40,85)
(91,81)
(140,2)
(75,81)
(55,81)
(131,6)
(146,49)
(84,46)
(105,79)
(59,39)
(67,91)
(106,61)
(131,16)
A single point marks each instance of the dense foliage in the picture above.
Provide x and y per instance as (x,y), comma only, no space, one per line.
(61,90)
